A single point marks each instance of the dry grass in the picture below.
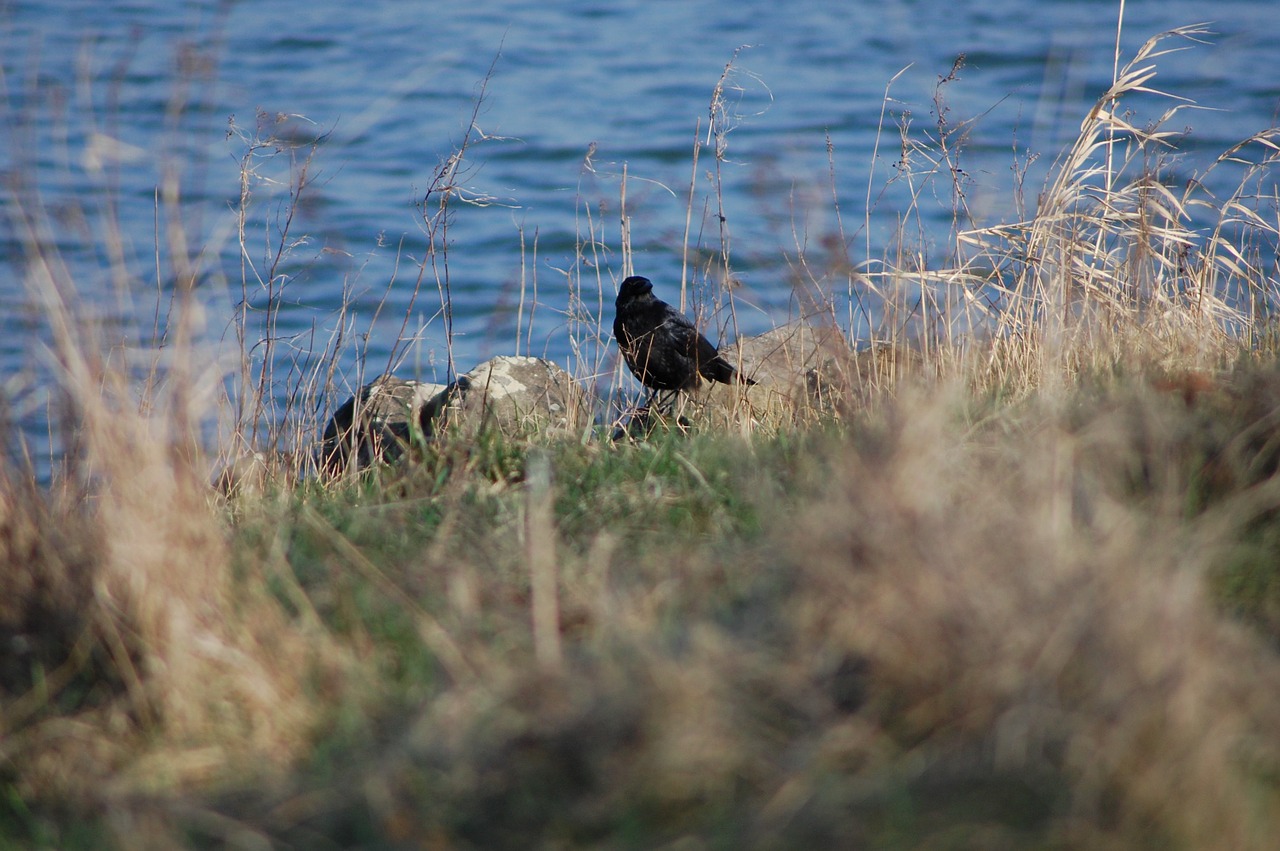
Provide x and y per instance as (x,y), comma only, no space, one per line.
(1118,265)
(934,631)
(1016,615)
(158,666)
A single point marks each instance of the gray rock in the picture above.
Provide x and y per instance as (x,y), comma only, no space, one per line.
(377,424)
(814,367)
(514,395)
(798,368)
(787,357)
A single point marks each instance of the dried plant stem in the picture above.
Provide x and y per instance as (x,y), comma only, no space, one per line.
(541,558)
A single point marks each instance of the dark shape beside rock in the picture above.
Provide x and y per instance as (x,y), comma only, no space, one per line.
(375,425)
(515,396)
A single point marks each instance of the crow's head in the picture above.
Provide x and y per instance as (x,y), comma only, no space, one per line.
(634,287)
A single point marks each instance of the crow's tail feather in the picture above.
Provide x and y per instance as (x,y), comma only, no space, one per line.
(719,369)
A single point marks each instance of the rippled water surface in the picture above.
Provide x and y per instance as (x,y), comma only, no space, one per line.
(107,101)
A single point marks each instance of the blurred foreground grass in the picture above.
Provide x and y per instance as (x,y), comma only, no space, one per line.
(941,623)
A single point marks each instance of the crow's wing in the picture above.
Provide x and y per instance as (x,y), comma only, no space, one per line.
(703,358)
(698,356)
(655,344)
(664,350)
(680,333)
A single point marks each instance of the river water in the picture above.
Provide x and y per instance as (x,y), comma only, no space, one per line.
(110,105)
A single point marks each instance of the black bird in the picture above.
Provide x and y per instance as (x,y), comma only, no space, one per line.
(661,346)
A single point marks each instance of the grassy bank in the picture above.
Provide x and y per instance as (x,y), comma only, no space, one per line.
(1023,594)
(937,624)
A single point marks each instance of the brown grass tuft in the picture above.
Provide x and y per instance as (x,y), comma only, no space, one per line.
(1016,615)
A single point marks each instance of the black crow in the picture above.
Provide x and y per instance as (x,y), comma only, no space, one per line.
(662,347)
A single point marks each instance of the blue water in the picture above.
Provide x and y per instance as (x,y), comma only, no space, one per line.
(103,100)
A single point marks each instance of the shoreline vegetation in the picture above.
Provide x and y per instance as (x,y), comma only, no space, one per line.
(1014,583)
